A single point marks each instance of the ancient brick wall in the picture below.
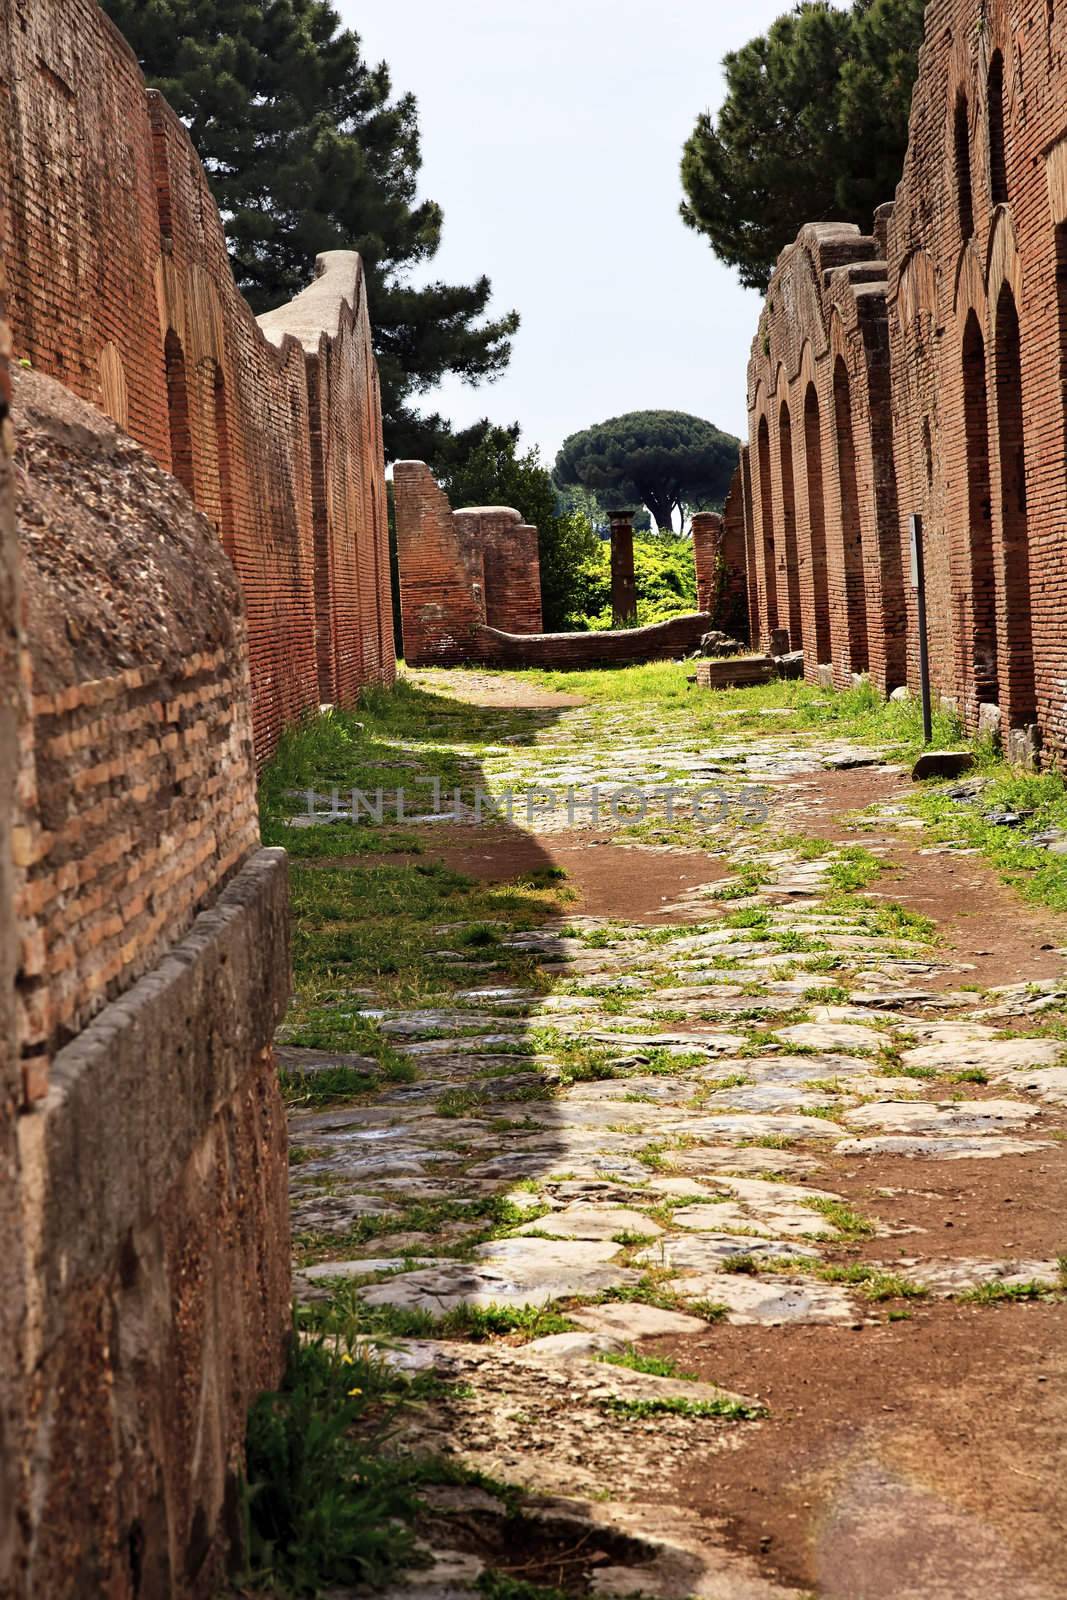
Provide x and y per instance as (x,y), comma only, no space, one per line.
(977,246)
(825,534)
(459,570)
(121,287)
(511,565)
(142,1141)
(621,647)
(721,560)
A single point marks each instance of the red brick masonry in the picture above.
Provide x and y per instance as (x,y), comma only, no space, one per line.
(922,371)
(119,285)
(470,589)
(459,571)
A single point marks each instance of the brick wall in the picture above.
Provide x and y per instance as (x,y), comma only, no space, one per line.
(978,324)
(459,570)
(144,956)
(511,565)
(921,372)
(721,560)
(826,545)
(616,647)
(120,286)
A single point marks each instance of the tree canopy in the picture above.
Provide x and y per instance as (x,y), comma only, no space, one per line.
(814,128)
(666,460)
(307,149)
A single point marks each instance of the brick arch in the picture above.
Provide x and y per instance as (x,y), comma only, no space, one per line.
(1003,261)
(1011,512)
(764,509)
(850,527)
(789,567)
(978,668)
(827,293)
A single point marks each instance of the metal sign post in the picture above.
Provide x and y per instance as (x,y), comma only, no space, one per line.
(918,583)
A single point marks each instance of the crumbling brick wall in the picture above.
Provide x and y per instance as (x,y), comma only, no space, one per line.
(823,503)
(977,247)
(120,286)
(721,560)
(142,1141)
(460,570)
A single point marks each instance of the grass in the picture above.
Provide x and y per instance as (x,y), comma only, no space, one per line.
(323,1503)
(841,1217)
(653,1366)
(1041,799)
(999,1293)
(345,1316)
(678,1406)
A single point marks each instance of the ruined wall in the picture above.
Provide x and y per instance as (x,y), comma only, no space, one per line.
(823,502)
(459,571)
(721,560)
(142,1148)
(606,647)
(510,564)
(121,287)
(978,324)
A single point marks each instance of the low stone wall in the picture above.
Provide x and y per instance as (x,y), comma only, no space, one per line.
(623,648)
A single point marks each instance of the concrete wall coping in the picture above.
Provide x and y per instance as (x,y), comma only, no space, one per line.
(318,309)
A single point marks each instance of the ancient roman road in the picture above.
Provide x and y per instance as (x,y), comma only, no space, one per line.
(771,1300)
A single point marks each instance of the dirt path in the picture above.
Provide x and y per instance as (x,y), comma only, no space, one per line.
(790,1158)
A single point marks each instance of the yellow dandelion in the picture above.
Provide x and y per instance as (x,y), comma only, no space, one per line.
(353,1392)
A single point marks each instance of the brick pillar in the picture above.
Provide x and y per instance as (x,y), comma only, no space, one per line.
(623,582)
(707,544)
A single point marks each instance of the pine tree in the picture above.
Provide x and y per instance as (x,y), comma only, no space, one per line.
(813,128)
(307,150)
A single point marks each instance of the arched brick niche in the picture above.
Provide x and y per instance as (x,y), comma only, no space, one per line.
(823,487)
(978,339)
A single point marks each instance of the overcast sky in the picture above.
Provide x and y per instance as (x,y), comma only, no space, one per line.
(551,136)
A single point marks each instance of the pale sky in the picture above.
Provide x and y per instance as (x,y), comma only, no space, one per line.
(551,136)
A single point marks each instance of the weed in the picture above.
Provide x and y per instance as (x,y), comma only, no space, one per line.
(678,1406)
(654,1366)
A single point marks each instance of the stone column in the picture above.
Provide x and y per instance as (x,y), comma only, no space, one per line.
(707,545)
(623,582)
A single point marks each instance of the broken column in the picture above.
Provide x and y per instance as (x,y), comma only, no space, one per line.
(623,581)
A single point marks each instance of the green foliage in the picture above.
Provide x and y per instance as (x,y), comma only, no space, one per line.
(666,583)
(653,1366)
(666,460)
(321,1507)
(813,127)
(1041,799)
(677,1406)
(307,150)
